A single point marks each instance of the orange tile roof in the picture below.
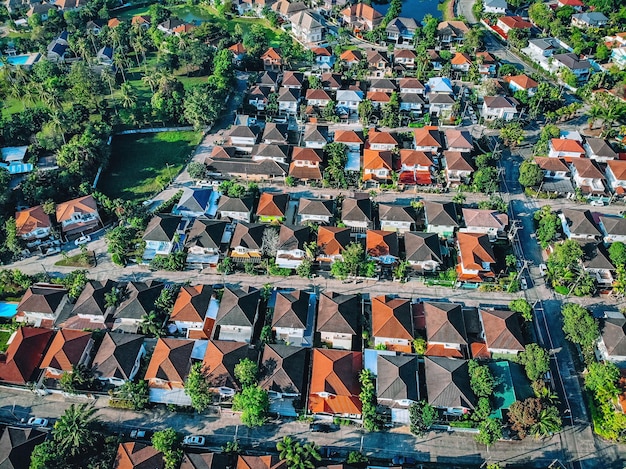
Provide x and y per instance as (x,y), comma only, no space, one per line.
(475,249)
(66,349)
(237,48)
(486,56)
(461,58)
(377,159)
(24,354)
(427,137)
(140,19)
(618,168)
(381,137)
(133,455)
(347,136)
(86,204)
(523,81)
(414,157)
(363,11)
(260,462)
(351,56)
(515,22)
(306,154)
(171,361)
(438,350)
(568,145)
(328,242)
(335,372)
(192,303)
(479,350)
(268,206)
(113,22)
(378,96)
(551,164)
(381,243)
(184,28)
(271,53)
(30,219)
(391,317)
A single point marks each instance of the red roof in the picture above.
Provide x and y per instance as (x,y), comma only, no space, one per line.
(567,145)
(24,354)
(335,376)
(515,22)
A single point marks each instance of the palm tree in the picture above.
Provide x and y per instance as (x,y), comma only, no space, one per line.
(73,432)
(129,97)
(119,59)
(296,455)
(548,423)
(152,324)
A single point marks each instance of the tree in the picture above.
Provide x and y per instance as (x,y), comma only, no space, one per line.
(524,414)
(530,174)
(12,241)
(270,240)
(601,379)
(168,442)
(481,379)
(368,401)
(390,111)
(422,416)
(254,404)
(305,268)
(73,432)
(579,326)
(535,360)
(81,378)
(196,170)
(548,423)
(246,372)
(202,105)
(617,253)
(523,307)
(336,159)
(135,394)
(518,38)
(366,108)
(296,455)
(548,227)
(490,431)
(541,15)
(482,410)
(356,457)
(485,180)
(75,282)
(512,134)
(198,388)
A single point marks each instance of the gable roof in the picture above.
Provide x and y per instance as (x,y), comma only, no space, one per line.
(315,133)
(162,227)
(422,247)
(516,22)
(461,58)
(291,309)
(502,330)
(338,313)
(171,360)
(332,240)
(457,161)
(307,20)
(321,207)
(306,154)
(600,147)
(347,136)
(380,243)
(397,377)
(206,233)
(410,157)
(613,225)
(392,318)
(283,368)
(440,213)
(65,210)
(274,131)
(357,208)
(273,53)
(23,355)
(459,139)
(614,336)
(66,349)
(17,444)
(485,218)
(454,28)
(238,306)
(444,323)
(411,83)
(500,102)
(205,461)
(335,372)
(522,81)
(220,151)
(235,204)
(192,303)
(378,137)
(288,95)
(387,212)
(248,235)
(31,219)
(351,55)
(117,355)
(427,137)
(581,222)
(587,168)
(475,250)
(272,205)
(618,168)
(220,359)
(134,455)
(572,61)
(447,383)
(552,164)
(42,298)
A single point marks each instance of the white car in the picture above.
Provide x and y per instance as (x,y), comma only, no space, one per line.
(524,283)
(194,440)
(52,251)
(543,269)
(37,422)
(597,203)
(82,240)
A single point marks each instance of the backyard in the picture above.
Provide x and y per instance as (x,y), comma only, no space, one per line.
(143,164)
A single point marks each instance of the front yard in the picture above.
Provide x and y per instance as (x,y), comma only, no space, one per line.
(143,164)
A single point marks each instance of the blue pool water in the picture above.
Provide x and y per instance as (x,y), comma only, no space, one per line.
(413,8)
(8,310)
(17,59)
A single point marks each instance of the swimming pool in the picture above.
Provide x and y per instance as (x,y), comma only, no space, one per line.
(22,60)
(7,310)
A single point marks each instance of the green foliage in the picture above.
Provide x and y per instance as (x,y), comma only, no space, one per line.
(196,170)
(296,455)
(356,457)
(533,416)
(81,378)
(601,379)
(523,307)
(226,266)
(482,410)
(422,416)
(617,253)
(174,262)
(254,403)
(494,202)
(371,422)
(490,431)
(548,226)
(75,282)
(530,174)
(420,345)
(535,360)
(579,326)
(305,268)
(354,262)
(135,395)
(198,388)
(482,381)
(168,442)
(336,159)
(485,180)
(512,134)
(246,372)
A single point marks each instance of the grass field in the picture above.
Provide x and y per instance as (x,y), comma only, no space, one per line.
(4,337)
(142,164)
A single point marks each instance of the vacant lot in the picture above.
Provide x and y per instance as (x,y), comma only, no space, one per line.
(142,164)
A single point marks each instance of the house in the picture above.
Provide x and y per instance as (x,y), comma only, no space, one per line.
(397,384)
(285,8)
(58,47)
(260,462)
(331,241)
(416,167)
(272,60)
(176,27)
(105,56)
(616,176)
(139,299)
(439,85)
(13,160)
(338,320)
(141,20)
(404,58)
(502,331)
(423,251)
(32,223)
(522,82)
(497,7)
(476,257)
(392,323)
(349,100)
(361,17)
(598,265)
(194,312)
(589,19)
(499,107)
(382,85)
(308,27)
(599,150)
(334,385)
(352,139)
(41,9)
(581,68)
(402,30)
(291,317)
(410,85)
(587,176)
(613,228)
(193,203)
(459,140)
(258,97)
(238,51)
(247,242)
(461,62)
(267,78)
(612,343)
(315,136)
(204,242)
(135,455)
(436,62)
(554,170)
(168,369)
(288,101)
(69,348)
(381,141)
(446,332)
(378,98)
(396,218)
(356,212)
(382,246)
(220,360)
(451,32)
(332,81)
(42,303)
(243,138)
(378,63)
(377,165)
(17,445)
(272,207)
(205,461)
(237,314)
(544,46)
(441,218)
(284,371)
(579,224)
(490,222)
(324,58)
(319,211)
(161,235)
(236,208)
(448,385)
(565,148)
(411,102)
(25,350)
(351,57)
(291,246)
(317,97)
(440,104)
(577,5)
(305,164)
(119,358)
(506,23)
(78,216)
(277,153)
(219,152)
(428,139)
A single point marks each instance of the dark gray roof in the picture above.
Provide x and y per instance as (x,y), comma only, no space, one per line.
(140,298)
(383,83)
(338,313)
(440,98)
(614,336)
(447,383)
(265,167)
(194,200)
(444,323)
(292,237)
(291,309)
(412,98)
(42,299)
(266,150)
(322,207)
(275,132)
(268,78)
(597,257)
(601,147)
(162,227)
(388,212)
(572,61)
(205,461)
(441,214)
(402,25)
(581,222)
(284,368)
(614,225)
(421,247)
(248,235)
(238,307)
(16,446)
(397,377)
(117,355)
(206,233)
(243,131)
(235,204)
(288,95)
(91,301)
(315,133)
(357,209)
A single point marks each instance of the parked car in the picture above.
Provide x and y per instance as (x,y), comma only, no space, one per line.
(322,427)
(543,269)
(82,240)
(37,422)
(139,434)
(52,251)
(597,203)
(402,460)
(193,440)
(524,283)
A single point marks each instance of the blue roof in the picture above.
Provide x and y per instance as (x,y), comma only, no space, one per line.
(439,85)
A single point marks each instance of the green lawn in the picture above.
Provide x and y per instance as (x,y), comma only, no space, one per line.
(4,337)
(142,164)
